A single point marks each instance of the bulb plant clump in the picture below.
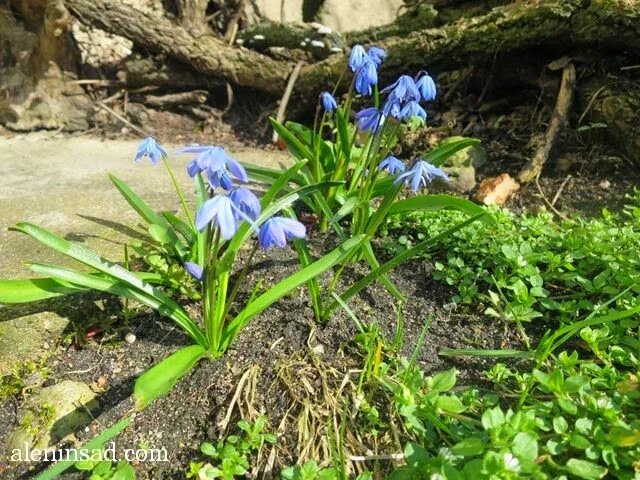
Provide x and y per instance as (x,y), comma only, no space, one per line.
(346,172)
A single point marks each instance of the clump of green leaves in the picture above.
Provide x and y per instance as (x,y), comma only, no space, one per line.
(230,456)
(106,470)
(528,266)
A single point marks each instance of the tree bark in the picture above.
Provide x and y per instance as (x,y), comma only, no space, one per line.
(559,25)
(205,54)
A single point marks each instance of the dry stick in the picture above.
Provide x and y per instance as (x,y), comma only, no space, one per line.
(122,119)
(174,99)
(559,192)
(558,120)
(549,204)
(285,98)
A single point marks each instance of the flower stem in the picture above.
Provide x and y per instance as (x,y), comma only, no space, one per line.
(183,202)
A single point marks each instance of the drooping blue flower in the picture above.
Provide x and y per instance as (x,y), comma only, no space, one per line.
(277,230)
(366,77)
(357,58)
(412,109)
(246,202)
(426,86)
(328,102)
(403,89)
(369,119)
(195,270)
(391,107)
(219,209)
(217,163)
(420,175)
(392,165)
(151,149)
(377,54)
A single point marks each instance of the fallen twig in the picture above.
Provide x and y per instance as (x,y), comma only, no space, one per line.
(285,98)
(122,119)
(558,120)
(559,192)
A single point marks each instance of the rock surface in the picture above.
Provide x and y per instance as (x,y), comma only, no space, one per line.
(497,190)
(51,415)
(461,166)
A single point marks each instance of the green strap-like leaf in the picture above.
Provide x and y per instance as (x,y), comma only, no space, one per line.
(35,289)
(287,285)
(442,152)
(438,202)
(161,378)
(96,443)
(297,148)
(163,305)
(397,260)
(148,214)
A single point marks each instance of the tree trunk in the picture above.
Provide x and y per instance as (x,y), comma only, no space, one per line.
(192,15)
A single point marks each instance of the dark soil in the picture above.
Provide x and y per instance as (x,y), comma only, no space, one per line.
(282,336)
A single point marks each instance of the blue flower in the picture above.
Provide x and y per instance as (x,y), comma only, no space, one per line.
(412,109)
(150,148)
(391,107)
(392,165)
(403,89)
(328,102)
(420,175)
(366,77)
(277,230)
(217,163)
(219,209)
(357,58)
(369,119)
(377,54)
(195,270)
(245,201)
(426,86)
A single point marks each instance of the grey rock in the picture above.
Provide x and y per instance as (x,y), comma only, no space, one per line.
(24,338)
(51,415)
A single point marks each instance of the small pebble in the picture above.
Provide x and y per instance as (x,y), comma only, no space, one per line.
(102,382)
(116,370)
(604,185)
(130,338)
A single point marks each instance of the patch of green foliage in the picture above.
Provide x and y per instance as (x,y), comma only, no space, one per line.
(19,378)
(230,456)
(106,469)
(528,266)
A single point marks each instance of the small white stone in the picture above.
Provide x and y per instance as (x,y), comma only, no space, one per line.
(303,44)
(240,41)
(130,338)
(336,49)
(259,37)
(604,185)
(317,44)
(324,30)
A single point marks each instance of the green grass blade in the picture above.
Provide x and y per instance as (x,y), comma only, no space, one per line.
(96,443)
(161,378)
(35,289)
(287,285)
(165,306)
(472,352)
(437,202)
